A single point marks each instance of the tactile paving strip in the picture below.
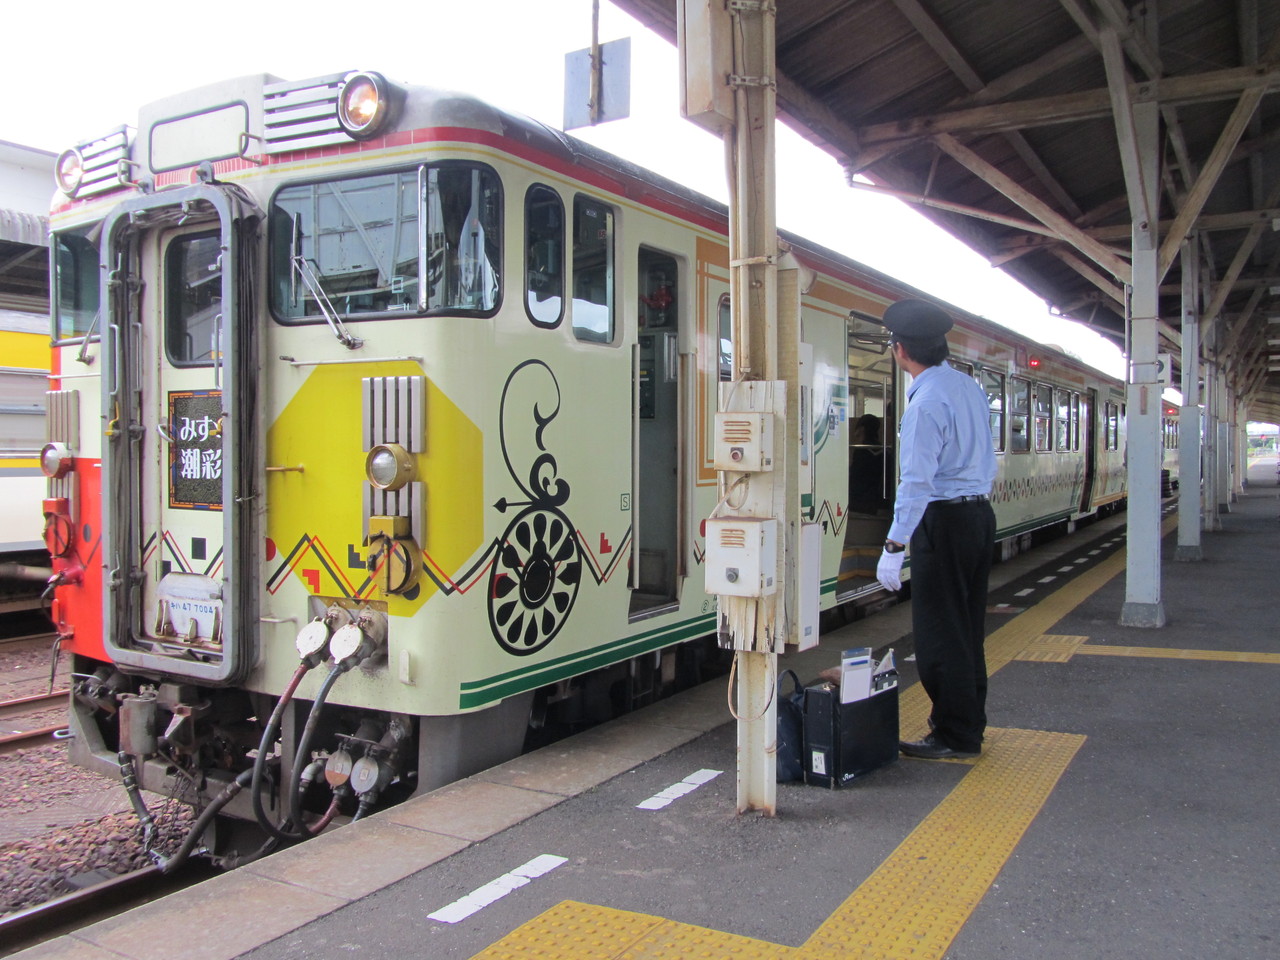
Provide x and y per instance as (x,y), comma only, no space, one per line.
(1176,653)
(919,898)
(1052,649)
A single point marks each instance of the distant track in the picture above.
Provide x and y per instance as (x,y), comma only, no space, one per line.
(12,740)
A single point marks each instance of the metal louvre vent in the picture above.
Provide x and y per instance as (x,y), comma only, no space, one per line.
(394,411)
(102,161)
(302,114)
(62,425)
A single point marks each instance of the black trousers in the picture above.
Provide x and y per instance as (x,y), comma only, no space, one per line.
(950,561)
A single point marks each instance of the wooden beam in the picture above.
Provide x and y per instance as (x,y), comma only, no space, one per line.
(988,173)
(1119,86)
(1067,108)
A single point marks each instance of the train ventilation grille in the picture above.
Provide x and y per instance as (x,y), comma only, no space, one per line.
(302,114)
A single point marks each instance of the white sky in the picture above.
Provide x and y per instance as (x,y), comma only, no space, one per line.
(102,61)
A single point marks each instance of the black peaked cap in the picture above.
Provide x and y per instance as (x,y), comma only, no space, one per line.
(916,319)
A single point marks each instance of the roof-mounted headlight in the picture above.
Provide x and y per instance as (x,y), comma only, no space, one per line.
(69,171)
(365,104)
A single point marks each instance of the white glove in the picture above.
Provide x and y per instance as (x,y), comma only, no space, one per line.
(889,569)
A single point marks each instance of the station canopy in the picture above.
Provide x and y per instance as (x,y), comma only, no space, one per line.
(999,118)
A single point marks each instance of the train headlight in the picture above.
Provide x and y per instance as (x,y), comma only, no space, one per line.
(364,105)
(69,171)
(389,466)
(56,460)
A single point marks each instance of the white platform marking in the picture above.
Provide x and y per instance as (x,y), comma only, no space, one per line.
(677,790)
(497,889)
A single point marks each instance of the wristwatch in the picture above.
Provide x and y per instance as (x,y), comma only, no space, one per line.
(892,546)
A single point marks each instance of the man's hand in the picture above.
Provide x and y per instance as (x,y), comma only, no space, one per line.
(889,570)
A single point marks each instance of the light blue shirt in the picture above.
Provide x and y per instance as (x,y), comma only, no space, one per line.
(945,446)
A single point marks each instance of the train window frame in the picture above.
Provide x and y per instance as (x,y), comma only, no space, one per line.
(964,366)
(1062,419)
(1044,412)
(583,332)
(993,385)
(280,234)
(1020,389)
(544,258)
(724,333)
(1075,421)
(77,245)
(177,315)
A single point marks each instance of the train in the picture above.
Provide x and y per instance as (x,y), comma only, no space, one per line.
(380,440)
(24,372)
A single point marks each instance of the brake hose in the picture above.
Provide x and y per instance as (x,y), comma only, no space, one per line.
(264,747)
(304,743)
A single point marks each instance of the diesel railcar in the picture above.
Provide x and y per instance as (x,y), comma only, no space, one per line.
(383,435)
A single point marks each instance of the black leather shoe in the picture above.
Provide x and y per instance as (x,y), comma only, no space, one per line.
(931,748)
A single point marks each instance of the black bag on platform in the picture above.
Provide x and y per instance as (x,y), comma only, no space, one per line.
(790,730)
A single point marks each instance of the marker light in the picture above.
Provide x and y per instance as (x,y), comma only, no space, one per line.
(364,105)
(1034,363)
(389,466)
(56,460)
(68,172)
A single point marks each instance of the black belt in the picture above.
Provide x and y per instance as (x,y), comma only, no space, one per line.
(972,498)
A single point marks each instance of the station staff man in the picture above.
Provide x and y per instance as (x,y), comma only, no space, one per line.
(943,510)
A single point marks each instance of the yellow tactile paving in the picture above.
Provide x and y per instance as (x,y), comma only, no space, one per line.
(1051,648)
(1175,653)
(919,898)
(912,906)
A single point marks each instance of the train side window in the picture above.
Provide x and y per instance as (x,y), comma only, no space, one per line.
(593,278)
(992,384)
(193,299)
(962,366)
(1112,426)
(1044,417)
(1019,415)
(1062,436)
(75,282)
(725,329)
(544,256)
(1075,421)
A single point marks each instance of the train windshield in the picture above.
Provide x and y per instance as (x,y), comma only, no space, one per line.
(75,278)
(418,242)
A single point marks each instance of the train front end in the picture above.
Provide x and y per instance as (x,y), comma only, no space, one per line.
(238,503)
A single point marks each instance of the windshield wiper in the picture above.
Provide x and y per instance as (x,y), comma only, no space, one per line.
(306,273)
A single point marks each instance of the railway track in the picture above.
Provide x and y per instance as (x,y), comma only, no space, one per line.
(110,896)
(22,737)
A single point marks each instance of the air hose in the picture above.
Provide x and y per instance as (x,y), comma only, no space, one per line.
(304,743)
(264,748)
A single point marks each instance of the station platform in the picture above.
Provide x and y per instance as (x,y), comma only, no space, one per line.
(1123,805)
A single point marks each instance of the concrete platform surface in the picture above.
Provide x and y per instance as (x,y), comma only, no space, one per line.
(1122,807)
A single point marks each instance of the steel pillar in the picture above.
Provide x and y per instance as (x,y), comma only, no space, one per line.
(1189,549)
(1143,606)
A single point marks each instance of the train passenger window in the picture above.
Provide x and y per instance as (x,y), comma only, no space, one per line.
(1112,426)
(75,281)
(1062,436)
(544,253)
(965,368)
(1075,421)
(992,384)
(193,299)
(1044,417)
(725,325)
(592,270)
(418,241)
(1019,415)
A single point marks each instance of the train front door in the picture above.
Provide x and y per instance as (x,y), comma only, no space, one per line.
(872,460)
(177,469)
(657,437)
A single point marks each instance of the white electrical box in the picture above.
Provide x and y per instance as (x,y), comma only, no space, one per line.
(744,442)
(742,557)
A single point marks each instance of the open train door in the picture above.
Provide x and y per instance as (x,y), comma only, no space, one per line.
(657,413)
(180,488)
(873,430)
(1090,427)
